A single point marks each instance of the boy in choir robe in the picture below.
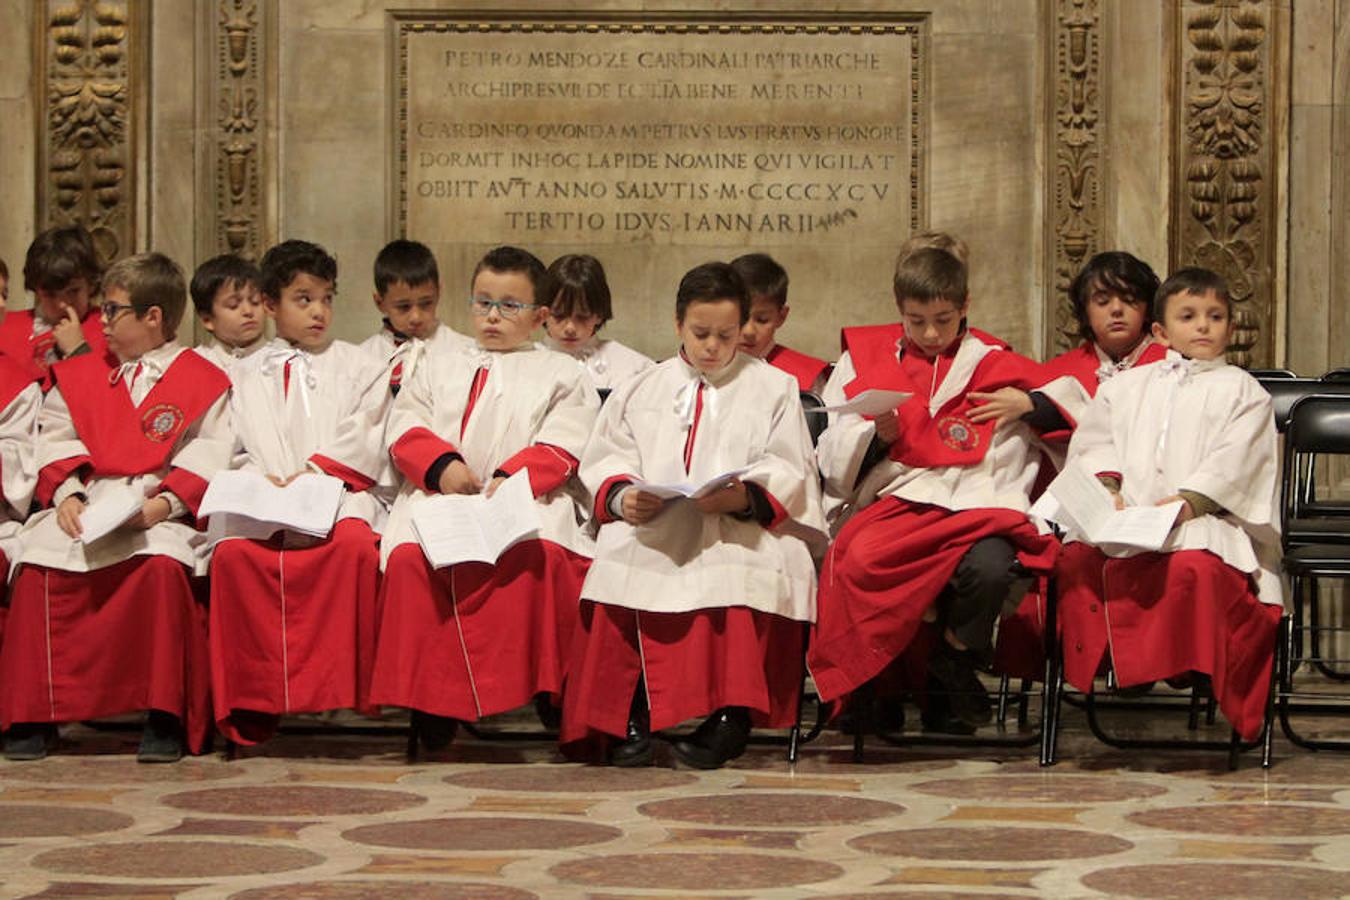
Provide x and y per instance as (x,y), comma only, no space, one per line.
(1196,429)
(225,294)
(932,501)
(112,626)
(293,617)
(696,607)
(578,310)
(473,639)
(407,293)
(767,283)
(62,270)
(20,400)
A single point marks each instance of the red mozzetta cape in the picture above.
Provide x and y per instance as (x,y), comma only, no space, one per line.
(30,353)
(122,439)
(1082,363)
(806,369)
(948,437)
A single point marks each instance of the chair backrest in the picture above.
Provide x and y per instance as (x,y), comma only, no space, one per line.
(815,422)
(1318,424)
(1285,392)
(1268,374)
(1337,376)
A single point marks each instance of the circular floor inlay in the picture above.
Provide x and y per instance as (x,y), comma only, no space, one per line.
(992,844)
(53,821)
(293,801)
(1248,819)
(1186,881)
(695,871)
(750,808)
(1048,788)
(176,859)
(572,779)
(379,890)
(483,833)
(116,770)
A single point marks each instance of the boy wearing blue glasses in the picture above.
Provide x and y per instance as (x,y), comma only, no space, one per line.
(293,616)
(474,639)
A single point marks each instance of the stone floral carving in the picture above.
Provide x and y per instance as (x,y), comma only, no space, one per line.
(237,149)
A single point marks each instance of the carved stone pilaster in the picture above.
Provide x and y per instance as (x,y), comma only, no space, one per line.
(90,70)
(1077,129)
(236,150)
(1224,182)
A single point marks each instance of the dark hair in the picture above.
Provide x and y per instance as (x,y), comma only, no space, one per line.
(288,259)
(709,283)
(59,256)
(514,259)
(1117,272)
(4,270)
(763,277)
(151,279)
(410,262)
(226,270)
(1193,280)
(578,283)
(930,274)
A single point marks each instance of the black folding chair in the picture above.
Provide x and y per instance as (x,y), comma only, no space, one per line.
(1337,376)
(1266,374)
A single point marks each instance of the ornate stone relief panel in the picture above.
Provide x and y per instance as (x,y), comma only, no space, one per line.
(90,66)
(1224,188)
(1074,222)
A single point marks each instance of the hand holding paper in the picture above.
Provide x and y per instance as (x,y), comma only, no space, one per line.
(684,489)
(871,402)
(112,508)
(456,528)
(1082,503)
(247,504)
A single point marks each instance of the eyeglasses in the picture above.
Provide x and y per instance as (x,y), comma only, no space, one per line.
(110,310)
(507,309)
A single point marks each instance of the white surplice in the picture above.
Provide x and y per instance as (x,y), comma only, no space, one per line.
(335,406)
(1002,479)
(530,396)
(383,346)
(18,465)
(1202,426)
(203,449)
(607,363)
(225,356)
(683,559)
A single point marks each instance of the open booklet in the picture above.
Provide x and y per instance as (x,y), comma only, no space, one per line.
(871,402)
(106,514)
(456,528)
(684,489)
(246,504)
(1083,505)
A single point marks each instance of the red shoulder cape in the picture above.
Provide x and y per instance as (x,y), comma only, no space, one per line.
(1082,363)
(17,343)
(806,369)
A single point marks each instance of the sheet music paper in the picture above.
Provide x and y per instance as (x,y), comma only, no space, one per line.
(456,528)
(871,402)
(692,491)
(1083,504)
(103,516)
(246,504)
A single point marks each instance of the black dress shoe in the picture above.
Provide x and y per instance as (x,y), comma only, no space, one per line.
(721,738)
(161,739)
(27,741)
(435,732)
(636,748)
(936,714)
(952,671)
(549,715)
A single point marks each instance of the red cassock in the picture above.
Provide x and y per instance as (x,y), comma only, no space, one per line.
(891,560)
(14,379)
(129,636)
(1165,614)
(29,352)
(806,369)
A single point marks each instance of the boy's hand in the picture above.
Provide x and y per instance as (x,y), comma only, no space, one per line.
(1118,500)
(887,426)
(1002,406)
(153,511)
(68,516)
(1185,514)
(731,499)
(459,479)
(493,485)
(68,333)
(279,481)
(639,507)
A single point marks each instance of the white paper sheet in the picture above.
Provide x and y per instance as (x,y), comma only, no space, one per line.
(692,491)
(245,504)
(456,528)
(103,516)
(1082,504)
(871,402)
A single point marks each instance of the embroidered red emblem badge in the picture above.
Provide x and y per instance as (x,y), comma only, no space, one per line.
(162,422)
(958,433)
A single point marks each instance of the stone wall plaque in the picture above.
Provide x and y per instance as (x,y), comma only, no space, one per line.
(657,143)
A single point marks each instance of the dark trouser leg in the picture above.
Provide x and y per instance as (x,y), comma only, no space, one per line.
(979,588)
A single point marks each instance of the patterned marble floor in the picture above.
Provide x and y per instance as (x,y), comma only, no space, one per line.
(326,817)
